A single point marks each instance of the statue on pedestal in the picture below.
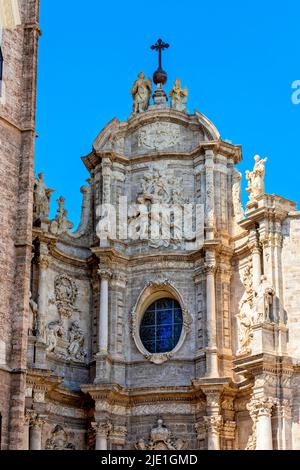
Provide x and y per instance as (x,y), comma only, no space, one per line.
(55,331)
(41,198)
(34,313)
(178,96)
(255,179)
(76,342)
(238,210)
(61,223)
(141,93)
(161,438)
(263,302)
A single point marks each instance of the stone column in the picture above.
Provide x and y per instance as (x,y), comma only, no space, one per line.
(211,352)
(102,431)
(213,420)
(260,411)
(35,435)
(105,276)
(256,260)
(106,180)
(213,426)
(27,419)
(286,423)
(210,195)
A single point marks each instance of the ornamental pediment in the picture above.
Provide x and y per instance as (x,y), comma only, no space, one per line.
(156,131)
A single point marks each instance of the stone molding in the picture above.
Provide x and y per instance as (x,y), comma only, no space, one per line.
(228,431)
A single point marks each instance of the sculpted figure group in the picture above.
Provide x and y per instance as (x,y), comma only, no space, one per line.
(255,307)
(142,90)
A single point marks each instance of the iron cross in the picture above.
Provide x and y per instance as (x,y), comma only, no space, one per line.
(160,46)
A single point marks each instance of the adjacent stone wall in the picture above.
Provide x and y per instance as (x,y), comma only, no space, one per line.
(291,281)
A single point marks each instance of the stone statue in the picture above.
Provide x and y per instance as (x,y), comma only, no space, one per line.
(245,314)
(160,439)
(59,440)
(34,313)
(76,342)
(244,325)
(255,179)
(140,445)
(141,93)
(41,197)
(237,195)
(55,330)
(61,224)
(160,188)
(179,96)
(263,302)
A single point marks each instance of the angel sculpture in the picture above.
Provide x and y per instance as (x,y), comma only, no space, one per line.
(141,93)
(179,96)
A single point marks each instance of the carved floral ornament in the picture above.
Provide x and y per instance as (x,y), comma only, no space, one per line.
(155,290)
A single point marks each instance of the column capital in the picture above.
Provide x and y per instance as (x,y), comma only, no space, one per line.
(210,268)
(29,415)
(209,153)
(260,407)
(285,409)
(213,424)
(102,429)
(104,273)
(37,420)
(44,262)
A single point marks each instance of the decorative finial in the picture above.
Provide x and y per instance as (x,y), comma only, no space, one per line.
(160,76)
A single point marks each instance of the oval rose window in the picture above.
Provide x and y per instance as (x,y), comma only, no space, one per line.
(161,326)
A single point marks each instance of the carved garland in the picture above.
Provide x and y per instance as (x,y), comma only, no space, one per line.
(152,291)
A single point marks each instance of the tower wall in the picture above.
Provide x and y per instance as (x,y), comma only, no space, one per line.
(17,138)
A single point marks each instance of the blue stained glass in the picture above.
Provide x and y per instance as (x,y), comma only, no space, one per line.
(150,346)
(165,317)
(164,331)
(161,326)
(148,333)
(148,319)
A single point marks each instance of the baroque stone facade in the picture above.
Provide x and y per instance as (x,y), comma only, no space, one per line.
(74,369)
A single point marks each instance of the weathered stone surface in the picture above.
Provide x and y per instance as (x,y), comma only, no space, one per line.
(73,372)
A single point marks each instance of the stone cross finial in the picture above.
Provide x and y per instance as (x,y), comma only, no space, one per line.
(160,46)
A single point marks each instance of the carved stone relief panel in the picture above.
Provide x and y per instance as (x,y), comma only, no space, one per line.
(159,136)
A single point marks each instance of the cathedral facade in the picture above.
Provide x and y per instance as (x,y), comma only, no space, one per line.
(120,335)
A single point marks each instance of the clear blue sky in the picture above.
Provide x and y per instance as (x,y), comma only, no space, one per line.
(238,60)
